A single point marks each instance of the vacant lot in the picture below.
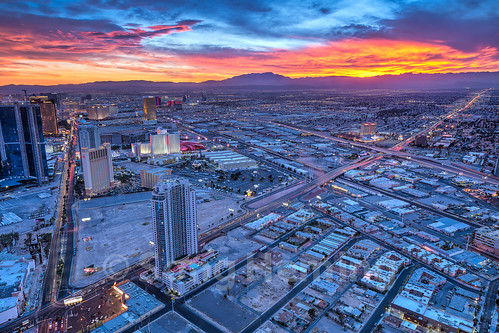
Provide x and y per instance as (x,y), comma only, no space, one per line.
(120,237)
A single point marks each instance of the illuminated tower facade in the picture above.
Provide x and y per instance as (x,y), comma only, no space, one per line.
(97,166)
(368,129)
(48,112)
(174,222)
(149,108)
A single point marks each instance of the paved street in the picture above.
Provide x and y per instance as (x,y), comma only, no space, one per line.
(369,325)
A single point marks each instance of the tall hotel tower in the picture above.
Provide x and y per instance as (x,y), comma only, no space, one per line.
(97,166)
(150,103)
(48,112)
(174,223)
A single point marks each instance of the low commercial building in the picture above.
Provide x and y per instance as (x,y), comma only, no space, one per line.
(192,271)
(383,183)
(393,203)
(9,218)
(300,217)
(139,305)
(162,160)
(329,244)
(14,272)
(149,178)
(422,253)
(229,160)
(263,221)
(448,226)
(384,272)
(426,236)
(141,149)
(486,239)
(428,317)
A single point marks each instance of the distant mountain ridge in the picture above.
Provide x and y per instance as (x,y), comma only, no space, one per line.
(270,80)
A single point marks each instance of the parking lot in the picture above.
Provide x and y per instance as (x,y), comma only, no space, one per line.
(94,311)
(87,315)
(238,182)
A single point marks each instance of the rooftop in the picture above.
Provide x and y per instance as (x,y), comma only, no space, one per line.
(409,304)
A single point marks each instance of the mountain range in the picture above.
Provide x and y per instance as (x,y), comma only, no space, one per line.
(277,82)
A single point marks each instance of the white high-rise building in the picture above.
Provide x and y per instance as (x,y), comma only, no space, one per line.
(97,166)
(173,143)
(158,144)
(174,223)
(88,136)
(165,143)
(140,149)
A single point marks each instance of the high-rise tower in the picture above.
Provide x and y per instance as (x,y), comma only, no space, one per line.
(149,108)
(22,146)
(88,136)
(164,142)
(174,222)
(48,112)
(368,129)
(97,166)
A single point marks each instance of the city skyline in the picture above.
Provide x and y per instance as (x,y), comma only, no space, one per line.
(325,210)
(249,166)
(68,42)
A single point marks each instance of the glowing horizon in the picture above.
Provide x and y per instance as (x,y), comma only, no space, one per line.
(70,42)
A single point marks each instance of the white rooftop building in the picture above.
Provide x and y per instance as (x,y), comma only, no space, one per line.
(229,160)
(14,272)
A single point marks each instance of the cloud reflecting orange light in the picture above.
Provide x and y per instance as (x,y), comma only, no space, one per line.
(95,57)
(361,58)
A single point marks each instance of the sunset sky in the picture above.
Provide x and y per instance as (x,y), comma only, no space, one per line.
(52,42)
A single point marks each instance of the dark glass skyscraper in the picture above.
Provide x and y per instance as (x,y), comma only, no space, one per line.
(22,146)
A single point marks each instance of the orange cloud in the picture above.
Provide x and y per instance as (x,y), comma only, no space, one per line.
(120,56)
(359,58)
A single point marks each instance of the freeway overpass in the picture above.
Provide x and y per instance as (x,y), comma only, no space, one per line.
(425,161)
(267,203)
